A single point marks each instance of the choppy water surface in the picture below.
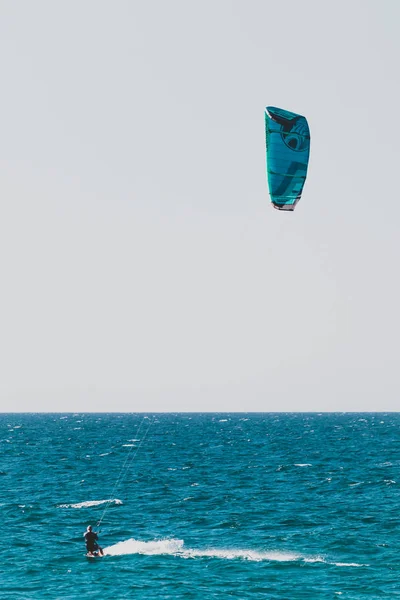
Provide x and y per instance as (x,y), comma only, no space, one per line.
(200,506)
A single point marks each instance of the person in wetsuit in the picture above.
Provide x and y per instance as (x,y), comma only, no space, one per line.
(91,542)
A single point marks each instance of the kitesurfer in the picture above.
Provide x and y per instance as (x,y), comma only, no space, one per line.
(91,542)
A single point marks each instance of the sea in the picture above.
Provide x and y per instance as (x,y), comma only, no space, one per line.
(200,506)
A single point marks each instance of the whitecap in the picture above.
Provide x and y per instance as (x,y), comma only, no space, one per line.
(339,564)
(303,465)
(89,503)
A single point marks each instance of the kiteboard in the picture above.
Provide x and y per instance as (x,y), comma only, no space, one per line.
(94,555)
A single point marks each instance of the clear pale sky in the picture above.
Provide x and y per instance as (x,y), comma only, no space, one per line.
(142,265)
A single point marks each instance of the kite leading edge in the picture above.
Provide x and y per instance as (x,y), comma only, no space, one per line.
(288,149)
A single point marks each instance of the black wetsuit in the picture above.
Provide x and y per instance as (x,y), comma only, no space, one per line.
(91,543)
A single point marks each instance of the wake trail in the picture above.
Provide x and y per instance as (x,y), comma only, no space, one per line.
(176,547)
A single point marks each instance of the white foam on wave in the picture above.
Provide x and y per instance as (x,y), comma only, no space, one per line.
(90,503)
(303,465)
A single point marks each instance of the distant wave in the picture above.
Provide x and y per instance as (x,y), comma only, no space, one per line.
(90,503)
(176,547)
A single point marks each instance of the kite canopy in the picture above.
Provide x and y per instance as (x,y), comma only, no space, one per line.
(288,149)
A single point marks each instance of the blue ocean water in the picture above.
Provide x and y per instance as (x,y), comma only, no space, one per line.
(200,506)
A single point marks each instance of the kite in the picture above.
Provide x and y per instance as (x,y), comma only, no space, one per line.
(288,149)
